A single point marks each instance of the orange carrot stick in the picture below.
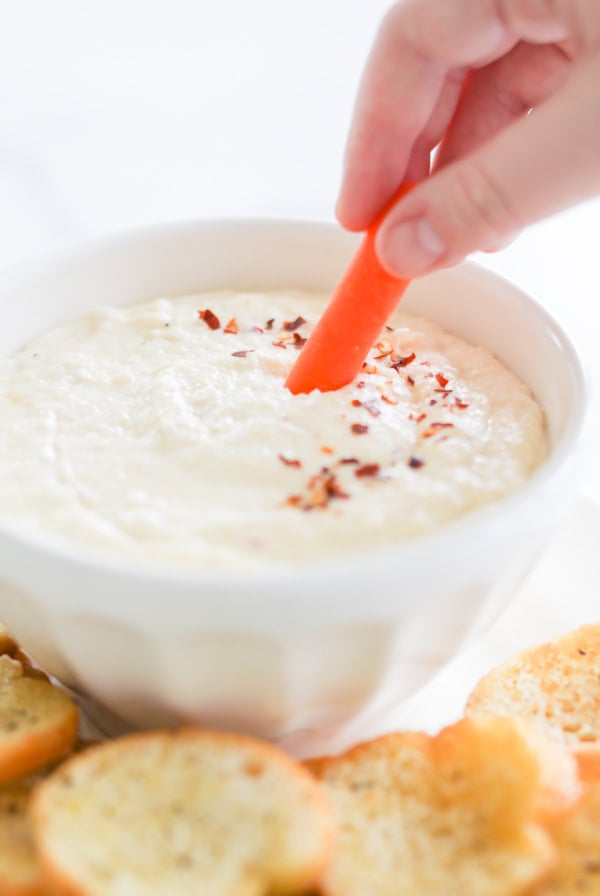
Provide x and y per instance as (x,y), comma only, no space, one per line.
(360,307)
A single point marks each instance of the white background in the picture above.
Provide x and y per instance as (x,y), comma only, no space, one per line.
(124,112)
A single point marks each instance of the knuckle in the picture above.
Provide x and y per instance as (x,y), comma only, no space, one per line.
(536,19)
(481,206)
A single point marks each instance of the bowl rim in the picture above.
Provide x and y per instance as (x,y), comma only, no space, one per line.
(34,269)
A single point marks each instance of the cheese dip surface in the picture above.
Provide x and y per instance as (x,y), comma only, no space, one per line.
(163,433)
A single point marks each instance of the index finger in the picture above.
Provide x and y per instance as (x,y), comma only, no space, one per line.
(419,43)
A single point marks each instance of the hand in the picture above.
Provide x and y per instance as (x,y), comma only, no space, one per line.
(464,74)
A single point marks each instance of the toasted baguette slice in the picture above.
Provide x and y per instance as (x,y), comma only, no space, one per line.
(7,642)
(577,872)
(20,873)
(459,813)
(555,685)
(38,722)
(186,813)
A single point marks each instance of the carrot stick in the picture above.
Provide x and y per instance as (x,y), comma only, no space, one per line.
(360,307)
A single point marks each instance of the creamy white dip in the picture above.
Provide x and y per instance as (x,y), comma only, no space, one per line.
(144,433)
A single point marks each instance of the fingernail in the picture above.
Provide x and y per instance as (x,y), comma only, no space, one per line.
(412,247)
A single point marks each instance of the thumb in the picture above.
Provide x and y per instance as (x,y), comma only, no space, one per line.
(540,164)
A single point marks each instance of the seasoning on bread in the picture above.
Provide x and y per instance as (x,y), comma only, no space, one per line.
(555,685)
(185,813)
(38,721)
(461,812)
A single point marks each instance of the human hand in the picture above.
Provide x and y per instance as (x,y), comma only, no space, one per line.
(464,74)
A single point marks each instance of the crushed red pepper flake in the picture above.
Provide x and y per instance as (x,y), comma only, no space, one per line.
(415,463)
(389,329)
(444,392)
(361,384)
(326,449)
(372,408)
(290,325)
(299,340)
(367,470)
(442,380)
(210,319)
(410,381)
(322,489)
(398,362)
(231,327)
(420,418)
(288,461)
(434,428)
(279,344)
(369,406)
(384,348)
(243,353)
(257,330)
(370,368)
(359,429)
(460,404)
(389,400)
(293,501)
(349,460)
(269,323)
(432,401)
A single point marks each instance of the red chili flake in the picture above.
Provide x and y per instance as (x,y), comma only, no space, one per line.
(432,401)
(442,380)
(210,319)
(356,403)
(242,354)
(231,327)
(384,348)
(279,344)
(372,408)
(269,323)
(359,429)
(410,381)
(299,341)
(288,461)
(293,501)
(444,392)
(322,489)
(389,400)
(349,460)
(290,325)
(415,463)
(398,362)
(327,449)
(257,330)
(367,470)
(389,329)
(420,418)
(361,384)
(460,404)
(434,428)
(370,368)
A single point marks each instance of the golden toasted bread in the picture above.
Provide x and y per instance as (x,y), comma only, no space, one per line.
(7,642)
(20,874)
(38,722)
(463,812)
(186,813)
(555,685)
(577,872)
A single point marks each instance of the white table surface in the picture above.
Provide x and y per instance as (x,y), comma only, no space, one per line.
(123,112)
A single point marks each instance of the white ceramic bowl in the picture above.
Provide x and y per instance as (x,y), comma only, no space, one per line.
(318,656)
